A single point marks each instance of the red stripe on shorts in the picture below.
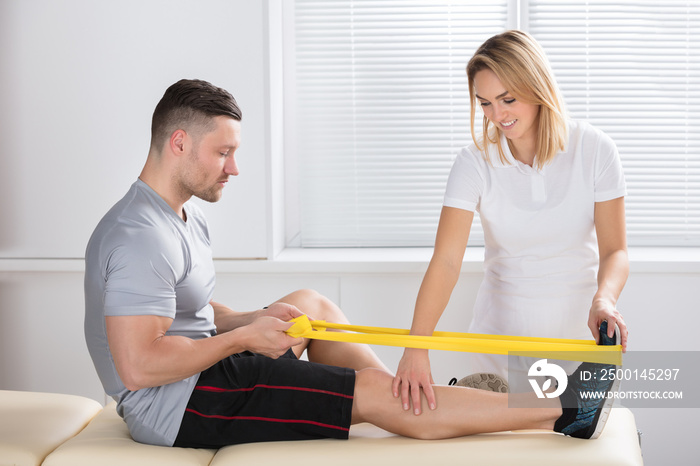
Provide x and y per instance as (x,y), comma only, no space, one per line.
(274,387)
(266,419)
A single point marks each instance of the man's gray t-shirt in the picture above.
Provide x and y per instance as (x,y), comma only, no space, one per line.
(143,259)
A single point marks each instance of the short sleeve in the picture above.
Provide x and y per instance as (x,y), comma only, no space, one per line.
(140,280)
(465,183)
(609,176)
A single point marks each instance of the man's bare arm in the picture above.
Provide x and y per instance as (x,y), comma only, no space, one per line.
(226,319)
(146,357)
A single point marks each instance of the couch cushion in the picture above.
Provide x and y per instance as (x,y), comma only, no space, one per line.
(106,442)
(34,424)
(618,445)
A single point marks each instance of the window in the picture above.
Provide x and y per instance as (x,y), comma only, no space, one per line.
(378,107)
(632,68)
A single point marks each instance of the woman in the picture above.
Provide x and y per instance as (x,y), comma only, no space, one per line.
(550,195)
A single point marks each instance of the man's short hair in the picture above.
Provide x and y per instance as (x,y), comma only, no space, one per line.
(190,104)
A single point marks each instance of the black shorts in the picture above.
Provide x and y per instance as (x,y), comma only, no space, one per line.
(251,398)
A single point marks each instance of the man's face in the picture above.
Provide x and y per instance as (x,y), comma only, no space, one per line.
(206,170)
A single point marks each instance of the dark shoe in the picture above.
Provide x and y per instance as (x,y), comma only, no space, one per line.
(591,389)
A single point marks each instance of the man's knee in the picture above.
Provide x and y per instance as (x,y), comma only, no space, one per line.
(316,305)
(372,393)
(305,297)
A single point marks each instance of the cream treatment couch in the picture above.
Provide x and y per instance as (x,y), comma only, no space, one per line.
(64,430)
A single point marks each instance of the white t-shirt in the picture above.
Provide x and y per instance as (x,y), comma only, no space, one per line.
(541,254)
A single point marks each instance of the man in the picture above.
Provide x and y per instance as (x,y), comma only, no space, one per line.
(188,371)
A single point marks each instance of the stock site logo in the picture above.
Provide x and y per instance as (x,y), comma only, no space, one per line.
(542,368)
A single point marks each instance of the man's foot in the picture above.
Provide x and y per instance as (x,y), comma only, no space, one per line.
(589,389)
(483,381)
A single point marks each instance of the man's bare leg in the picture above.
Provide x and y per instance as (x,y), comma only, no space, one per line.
(352,355)
(462,411)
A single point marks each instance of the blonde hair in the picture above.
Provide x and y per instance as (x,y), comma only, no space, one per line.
(522,67)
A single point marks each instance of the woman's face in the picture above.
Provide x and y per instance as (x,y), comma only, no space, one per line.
(518,120)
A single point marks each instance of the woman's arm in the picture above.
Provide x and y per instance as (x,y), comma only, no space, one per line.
(613,269)
(413,373)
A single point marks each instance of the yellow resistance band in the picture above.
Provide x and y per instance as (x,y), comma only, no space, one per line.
(555,348)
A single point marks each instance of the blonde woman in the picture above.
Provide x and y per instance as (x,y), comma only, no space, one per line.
(550,195)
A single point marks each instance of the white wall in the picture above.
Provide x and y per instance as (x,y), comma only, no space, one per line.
(78,82)
(42,346)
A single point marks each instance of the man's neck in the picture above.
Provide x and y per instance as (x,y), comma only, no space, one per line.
(160,181)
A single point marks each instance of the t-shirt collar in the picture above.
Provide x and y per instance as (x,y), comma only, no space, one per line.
(165,207)
(511,161)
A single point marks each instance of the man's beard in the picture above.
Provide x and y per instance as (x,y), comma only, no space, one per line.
(190,184)
(212,194)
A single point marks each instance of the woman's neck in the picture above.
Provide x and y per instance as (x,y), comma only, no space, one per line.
(523,151)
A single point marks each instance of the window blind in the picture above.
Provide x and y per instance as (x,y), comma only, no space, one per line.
(632,69)
(382,108)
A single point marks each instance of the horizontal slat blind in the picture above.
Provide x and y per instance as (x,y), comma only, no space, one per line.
(632,68)
(382,109)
